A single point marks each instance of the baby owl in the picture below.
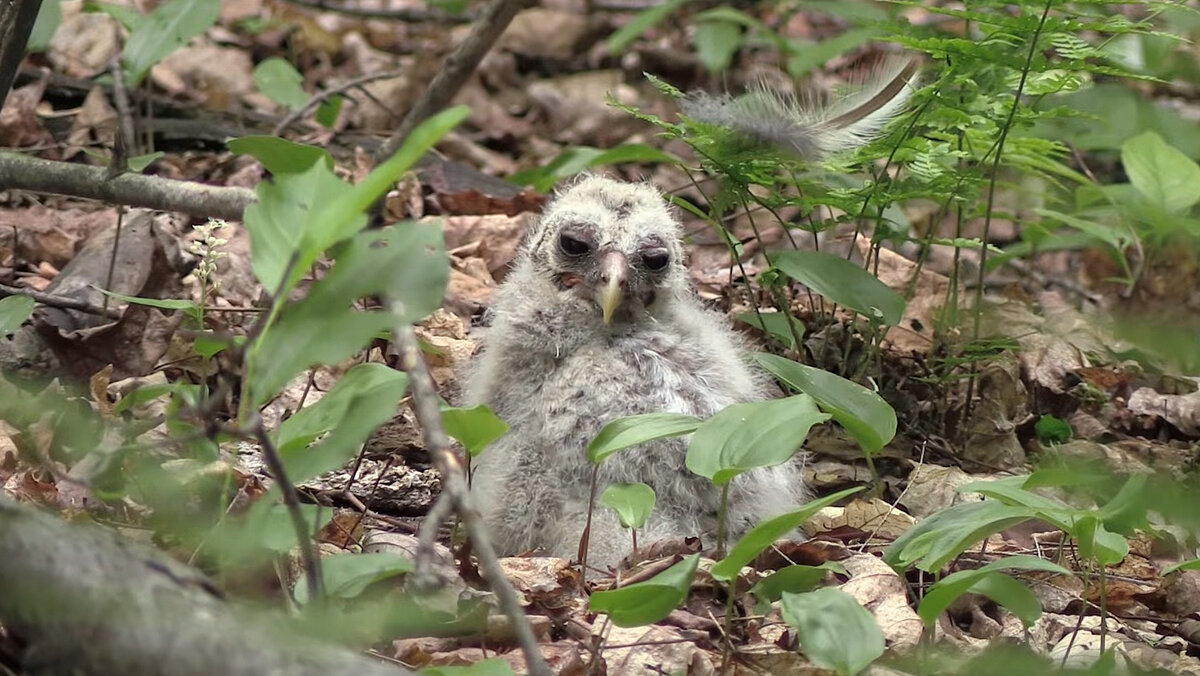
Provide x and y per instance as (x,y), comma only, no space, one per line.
(596,321)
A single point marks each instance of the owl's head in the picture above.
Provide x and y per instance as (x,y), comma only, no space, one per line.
(612,243)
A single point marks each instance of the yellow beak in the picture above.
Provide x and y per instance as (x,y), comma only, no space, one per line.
(613,276)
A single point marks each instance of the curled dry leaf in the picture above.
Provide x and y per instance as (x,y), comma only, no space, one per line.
(878,589)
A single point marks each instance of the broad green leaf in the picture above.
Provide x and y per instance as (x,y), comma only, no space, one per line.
(842,282)
(947,533)
(1010,593)
(406,261)
(767,532)
(943,592)
(128,18)
(138,163)
(775,324)
(142,395)
(362,400)
(347,575)
(14,310)
(48,18)
(1011,491)
(640,23)
(1192,564)
(327,112)
(863,414)
(1052,430)
(794,579)
(835,632)
(474,427)
(495,666)
(1098,543)
(281,82)
(276,223)
(1162,174)
(342,216)
(803,56)
(622,433)
(632,502)
(746,436)
(280,156)
(649,601)
(166,28)
(188,307)
(716,42)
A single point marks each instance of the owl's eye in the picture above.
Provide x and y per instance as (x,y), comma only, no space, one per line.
(656,259)
(572,245)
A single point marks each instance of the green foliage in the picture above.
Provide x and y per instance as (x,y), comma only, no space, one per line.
(869,419)
(495,666)
(579,158)
(630,431)
(747,436)
(632,502)
(835,632)
(990,582)
(281,82)
(766,533)
(842,282)
(1165,177)
(166,28)
(474,427)
(1052,430)
(346,576)
(794,579)
(775,324)
(14,310)
(648,601)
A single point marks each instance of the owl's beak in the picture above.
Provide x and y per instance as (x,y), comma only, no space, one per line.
(613,266)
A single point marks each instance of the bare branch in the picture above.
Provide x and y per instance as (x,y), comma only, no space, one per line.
(16,23)
(454,486)
(19,172)
(60,301)
(454,73)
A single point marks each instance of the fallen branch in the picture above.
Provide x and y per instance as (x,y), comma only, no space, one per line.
(82,600)
(54,300)
(19,172)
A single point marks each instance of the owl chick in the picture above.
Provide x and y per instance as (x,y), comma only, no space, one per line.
(597,321)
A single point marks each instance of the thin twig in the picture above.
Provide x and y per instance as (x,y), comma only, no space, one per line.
(291,500)
(320,98)
(423,576)
(454,485)
(459,66)
(60,301)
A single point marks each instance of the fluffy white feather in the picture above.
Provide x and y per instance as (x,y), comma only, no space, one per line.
(812,129)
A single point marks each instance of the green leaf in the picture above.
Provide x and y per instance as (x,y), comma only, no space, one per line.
(139,163)
(947,533)
(775,324)
(280,156)
(1162,174)
(794,579)
(842,282)
(347,575)
(327,112)
(362,400)
(746,436)
(632,502)
(578,158)
(1192,564)
(863,413)
(14,310)
(716,42)
(128,18)
(640,23)
(943,592)
(165,29)
(285,210)
(649,601)
(1098,543)
(281,82)
(48,19)
(495,666)
(1052,430)
(474,427)
(622,433)
(406,262)
(766,533)
(835,632)
(188,307)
